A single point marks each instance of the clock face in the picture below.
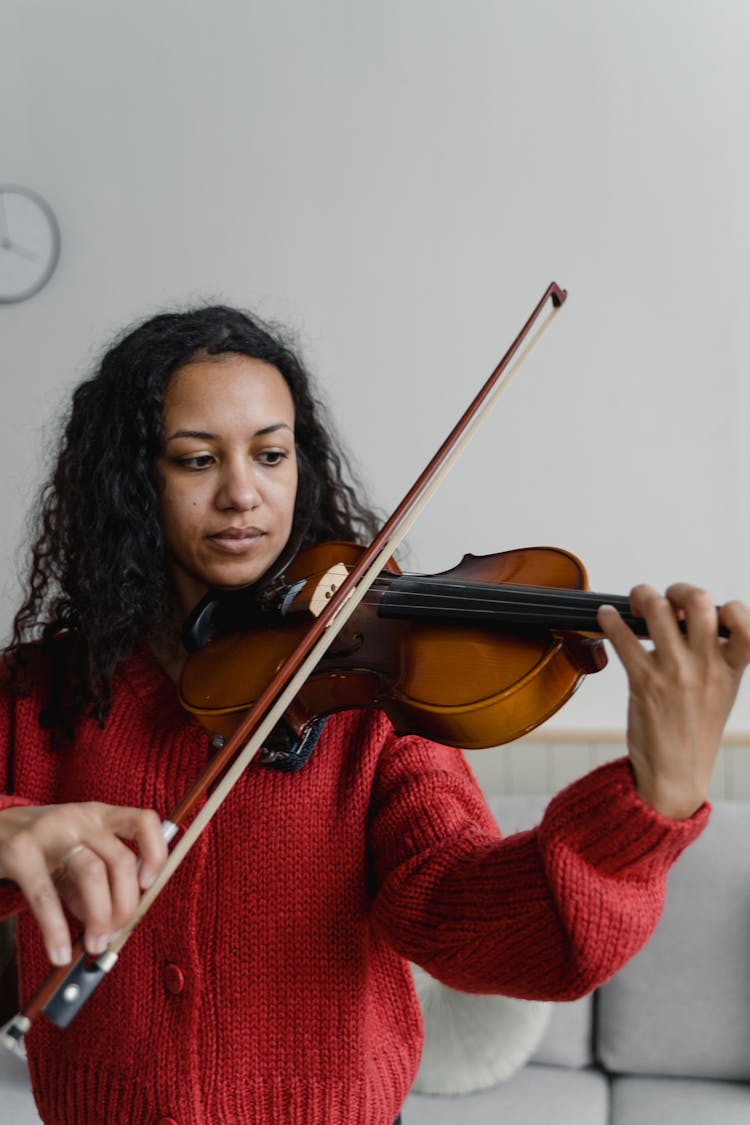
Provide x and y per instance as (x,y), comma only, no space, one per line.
(29,243)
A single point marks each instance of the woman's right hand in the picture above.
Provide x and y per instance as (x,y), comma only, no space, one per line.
(74,854)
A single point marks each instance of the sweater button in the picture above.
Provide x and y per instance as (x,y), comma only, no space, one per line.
(174,982)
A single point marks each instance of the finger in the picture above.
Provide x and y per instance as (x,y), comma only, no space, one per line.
(736,650)
(144,828)
(696,607)
(89,875)
(659,615)
(122,876)
(105,874)
(623,640)
(25,864)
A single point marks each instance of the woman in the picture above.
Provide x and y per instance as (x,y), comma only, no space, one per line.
(268,982)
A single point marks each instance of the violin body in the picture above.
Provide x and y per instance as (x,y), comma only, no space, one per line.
(424,650)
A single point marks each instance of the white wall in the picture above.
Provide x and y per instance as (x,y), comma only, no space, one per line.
(400,181)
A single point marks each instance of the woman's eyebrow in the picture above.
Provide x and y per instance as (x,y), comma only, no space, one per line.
(201,434)
(204,435)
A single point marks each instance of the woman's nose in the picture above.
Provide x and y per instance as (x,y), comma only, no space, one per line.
(238,489)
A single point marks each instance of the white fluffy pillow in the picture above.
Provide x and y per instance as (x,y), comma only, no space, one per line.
(472,1042)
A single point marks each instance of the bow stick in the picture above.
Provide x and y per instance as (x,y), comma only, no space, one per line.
(66,989)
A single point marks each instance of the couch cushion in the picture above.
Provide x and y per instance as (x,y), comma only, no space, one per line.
(681,1007)
(536,1094)
(16,1100)
(472,1041)
(568,1040)
(679,1101)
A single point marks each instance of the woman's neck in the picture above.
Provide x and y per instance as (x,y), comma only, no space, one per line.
(170,656)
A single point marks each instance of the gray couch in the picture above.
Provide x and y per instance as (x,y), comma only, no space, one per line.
(667,1040)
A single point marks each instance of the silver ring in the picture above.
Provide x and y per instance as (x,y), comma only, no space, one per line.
(66,857)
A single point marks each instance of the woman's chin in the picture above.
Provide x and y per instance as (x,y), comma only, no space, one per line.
(235,573)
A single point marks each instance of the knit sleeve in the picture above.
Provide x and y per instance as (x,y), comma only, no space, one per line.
(545,914)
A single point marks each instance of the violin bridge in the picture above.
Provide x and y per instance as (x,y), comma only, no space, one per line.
(314,594)
(327,587)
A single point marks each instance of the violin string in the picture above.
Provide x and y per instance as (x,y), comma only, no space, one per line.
(504,598)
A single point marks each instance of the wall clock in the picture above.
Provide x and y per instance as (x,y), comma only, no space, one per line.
(29,243)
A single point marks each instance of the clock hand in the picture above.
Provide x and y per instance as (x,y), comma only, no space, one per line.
(7,244)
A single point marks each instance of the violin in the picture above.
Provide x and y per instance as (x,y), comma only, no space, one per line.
(473,657)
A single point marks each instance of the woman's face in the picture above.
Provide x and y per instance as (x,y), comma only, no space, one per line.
(229,473)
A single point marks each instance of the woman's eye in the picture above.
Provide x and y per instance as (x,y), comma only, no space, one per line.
(272,456)
(200,461)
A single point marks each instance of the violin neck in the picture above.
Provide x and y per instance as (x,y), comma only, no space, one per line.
(466,603)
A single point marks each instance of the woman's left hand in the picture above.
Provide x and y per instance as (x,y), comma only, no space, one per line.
(681,690)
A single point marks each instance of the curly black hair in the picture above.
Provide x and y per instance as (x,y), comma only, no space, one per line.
(98,582)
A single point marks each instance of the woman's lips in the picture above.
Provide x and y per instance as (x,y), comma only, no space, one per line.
(236,541)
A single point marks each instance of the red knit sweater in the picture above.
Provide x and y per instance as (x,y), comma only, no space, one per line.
(267,984)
